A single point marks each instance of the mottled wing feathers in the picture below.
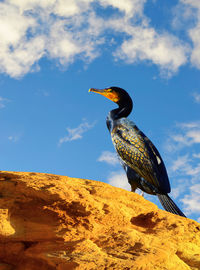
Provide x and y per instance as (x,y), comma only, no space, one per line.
(158,165)
(137,151)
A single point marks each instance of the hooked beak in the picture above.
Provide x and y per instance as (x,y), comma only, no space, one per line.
(95,90)
(107,92)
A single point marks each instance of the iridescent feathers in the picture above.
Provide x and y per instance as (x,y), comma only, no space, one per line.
(138,152)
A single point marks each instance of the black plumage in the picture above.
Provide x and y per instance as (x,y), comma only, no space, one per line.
(141,160)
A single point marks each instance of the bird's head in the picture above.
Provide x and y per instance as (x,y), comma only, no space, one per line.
(116,94)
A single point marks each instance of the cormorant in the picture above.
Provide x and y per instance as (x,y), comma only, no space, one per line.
(140,159)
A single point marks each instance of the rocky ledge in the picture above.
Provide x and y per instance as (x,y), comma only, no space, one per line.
(52,222)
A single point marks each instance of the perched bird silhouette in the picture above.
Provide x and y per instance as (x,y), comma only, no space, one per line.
(140,159)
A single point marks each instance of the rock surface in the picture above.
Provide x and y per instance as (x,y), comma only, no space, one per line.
(56,222)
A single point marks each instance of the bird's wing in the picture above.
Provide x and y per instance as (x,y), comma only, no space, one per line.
(139,153)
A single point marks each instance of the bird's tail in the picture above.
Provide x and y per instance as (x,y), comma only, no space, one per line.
(169,205)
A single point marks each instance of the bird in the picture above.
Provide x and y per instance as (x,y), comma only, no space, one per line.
(138,156)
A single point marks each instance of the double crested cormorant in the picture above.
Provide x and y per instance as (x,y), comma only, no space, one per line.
(139,157)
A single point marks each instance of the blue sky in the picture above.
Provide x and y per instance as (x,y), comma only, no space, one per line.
(52,52)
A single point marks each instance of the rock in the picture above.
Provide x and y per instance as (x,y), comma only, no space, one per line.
(52,222)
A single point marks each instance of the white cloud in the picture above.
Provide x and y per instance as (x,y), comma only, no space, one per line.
(145,43)
(119,179)
(2,102)
(180,163)
(193,7)
(18,53)
(180,188)
(195,36)
(30,30)
(67,30)
(189,125)
(196,97)
(196,155)
(184,165)
(13,138)
(192,200)
(109,157)
(129,7)
(73,7)
(186,135)
(194,136)
(76,133)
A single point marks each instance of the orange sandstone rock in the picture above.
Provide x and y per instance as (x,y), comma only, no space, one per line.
(52,222)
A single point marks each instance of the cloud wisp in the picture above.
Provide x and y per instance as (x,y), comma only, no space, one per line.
(184,167)
(192,200)
(13,138)
(194,32)
(119,179)
(186,134)
(60,31)
(116,178)
(109,157)
(196,97)
(77,132)
(3,102)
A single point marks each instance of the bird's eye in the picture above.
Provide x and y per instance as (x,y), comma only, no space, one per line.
(109,90)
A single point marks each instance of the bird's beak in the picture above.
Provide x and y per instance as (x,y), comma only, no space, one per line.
(107,92)
(99,91)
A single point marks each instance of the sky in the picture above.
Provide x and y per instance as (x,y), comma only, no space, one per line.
(53,51)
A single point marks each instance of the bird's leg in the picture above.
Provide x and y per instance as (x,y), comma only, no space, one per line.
(142,193)
(133,187)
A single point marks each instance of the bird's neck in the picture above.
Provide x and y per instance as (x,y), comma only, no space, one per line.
(123,111)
